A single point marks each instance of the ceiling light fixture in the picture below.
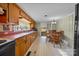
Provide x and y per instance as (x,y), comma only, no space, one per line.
(45,15)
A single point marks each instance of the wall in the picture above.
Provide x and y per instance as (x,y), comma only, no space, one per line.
(48,26)
(38,28)
(66,24)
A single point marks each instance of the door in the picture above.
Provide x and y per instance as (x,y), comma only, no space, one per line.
(4,16)
(13,13)
(76,32)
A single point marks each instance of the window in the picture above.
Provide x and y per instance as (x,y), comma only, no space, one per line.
(24,24)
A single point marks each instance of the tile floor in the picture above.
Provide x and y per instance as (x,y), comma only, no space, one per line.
(46,48)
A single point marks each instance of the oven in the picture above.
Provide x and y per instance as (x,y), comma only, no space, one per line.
(8,49)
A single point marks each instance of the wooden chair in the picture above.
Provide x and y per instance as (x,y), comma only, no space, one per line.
(56,39)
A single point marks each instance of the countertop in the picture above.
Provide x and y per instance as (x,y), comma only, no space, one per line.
(10,38)
(15,36)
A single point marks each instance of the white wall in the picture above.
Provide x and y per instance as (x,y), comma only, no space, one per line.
(67,25)
(48,25)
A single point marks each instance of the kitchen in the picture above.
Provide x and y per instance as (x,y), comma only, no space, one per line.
(28,29)
(16,30)
(32,29)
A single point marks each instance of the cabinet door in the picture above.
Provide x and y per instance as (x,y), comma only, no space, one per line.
(23,49)
(13,13)
(27,42)
(4,17)
(32,25)
(4,5)
(23,46)
(23,14)
(20,46)
(18,50)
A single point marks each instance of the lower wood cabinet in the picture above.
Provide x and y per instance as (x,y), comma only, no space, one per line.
(23,49)
(18,50)
(24,43)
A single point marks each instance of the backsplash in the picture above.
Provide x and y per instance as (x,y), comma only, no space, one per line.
(5,27)
(1,28)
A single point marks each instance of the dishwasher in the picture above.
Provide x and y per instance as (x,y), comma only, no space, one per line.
(8,49)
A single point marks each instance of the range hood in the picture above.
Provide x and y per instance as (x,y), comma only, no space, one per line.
(1,11)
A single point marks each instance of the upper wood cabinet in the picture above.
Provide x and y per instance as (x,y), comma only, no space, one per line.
(13,13)
(32,25)
(4,5)
(4,17)
(23,14)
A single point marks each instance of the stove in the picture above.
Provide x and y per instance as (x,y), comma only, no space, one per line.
(2,41)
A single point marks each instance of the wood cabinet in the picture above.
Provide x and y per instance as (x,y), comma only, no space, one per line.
(28,18)
(20,46)
(23,14)
(24,43)
(18,50)
(4,17)
(32,25)
(13,13)
(4,5)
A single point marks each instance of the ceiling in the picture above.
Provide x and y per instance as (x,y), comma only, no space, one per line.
(42,12)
